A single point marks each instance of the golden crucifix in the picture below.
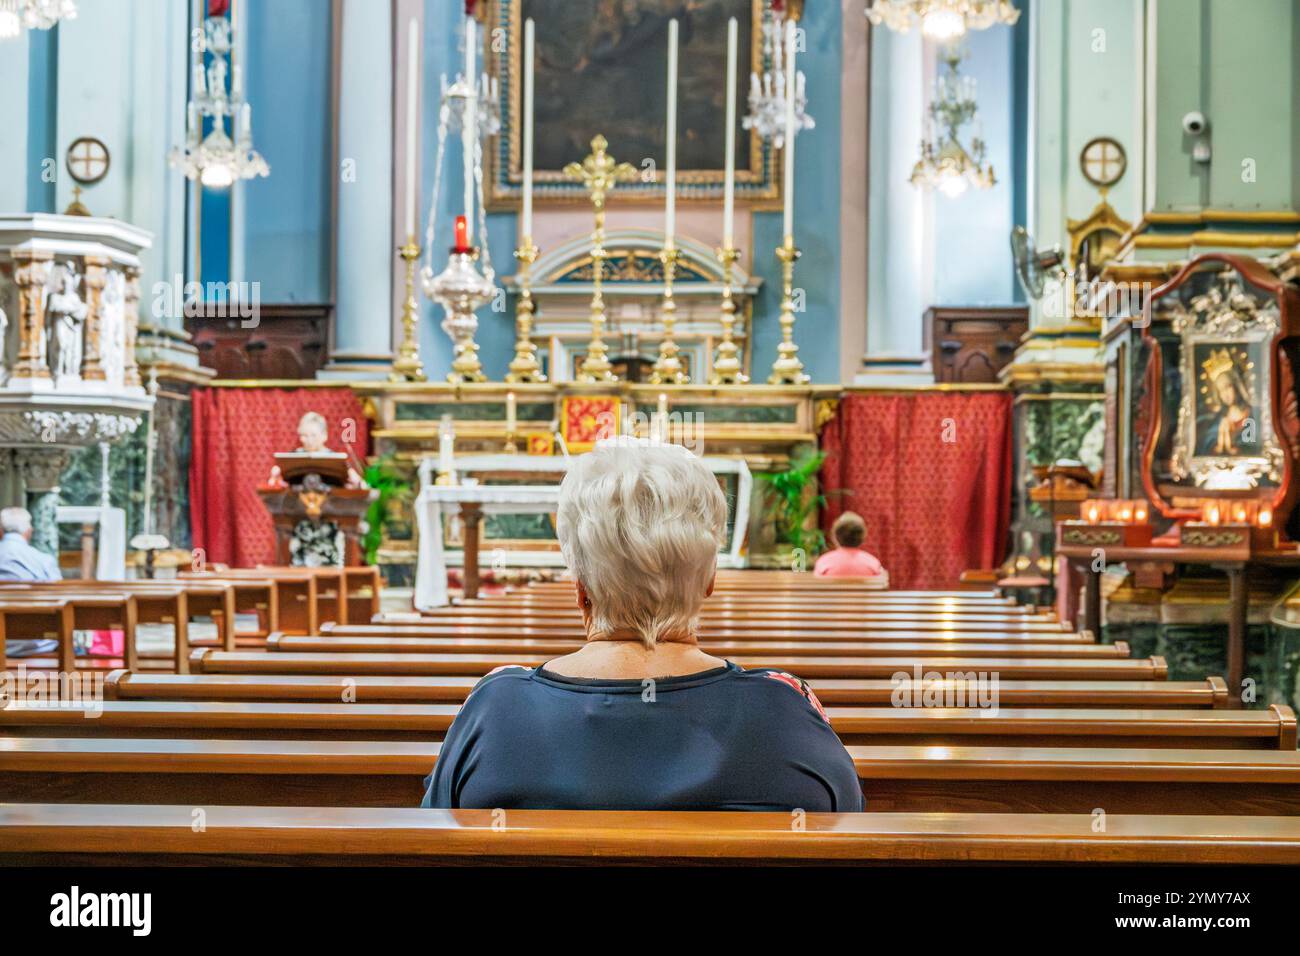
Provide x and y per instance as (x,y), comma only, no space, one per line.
(599,173)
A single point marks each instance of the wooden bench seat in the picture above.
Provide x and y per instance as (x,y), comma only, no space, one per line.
(894,779)
(809,609)
(1274,728)
(508,643)
(61,834)
(850,623)
(217,662)
(121,684)
(735,631)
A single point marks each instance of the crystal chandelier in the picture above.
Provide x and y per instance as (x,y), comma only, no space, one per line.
(945,164)
(215,160)
(17,15)
(767,90)
(942,20)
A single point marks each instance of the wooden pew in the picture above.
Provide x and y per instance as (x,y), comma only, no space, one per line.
(1148,695)
(766,606)
(81,834)
(226,662)
(55,615)
(739,630)
(1274,728)
(894,779)
(853,624)
(155,602)
(507,643)
(304,598)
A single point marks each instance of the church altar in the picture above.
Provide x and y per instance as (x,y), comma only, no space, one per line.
(472,501)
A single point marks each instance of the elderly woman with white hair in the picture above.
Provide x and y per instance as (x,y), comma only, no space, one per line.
(640,718)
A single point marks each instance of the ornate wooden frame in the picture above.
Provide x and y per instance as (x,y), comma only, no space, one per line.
(1283,419)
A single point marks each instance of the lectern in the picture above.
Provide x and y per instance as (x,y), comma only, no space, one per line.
(318,518)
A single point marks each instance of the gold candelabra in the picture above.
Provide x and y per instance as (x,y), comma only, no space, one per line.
(668,368)
(524,366)
(787,369)
(599,174)
(408,367)
(726,367)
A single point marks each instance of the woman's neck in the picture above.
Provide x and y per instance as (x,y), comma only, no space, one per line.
(623,656)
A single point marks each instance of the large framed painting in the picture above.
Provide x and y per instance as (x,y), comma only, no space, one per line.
(1222,338)
(601,68)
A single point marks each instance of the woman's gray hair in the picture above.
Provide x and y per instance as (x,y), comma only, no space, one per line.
(640,523)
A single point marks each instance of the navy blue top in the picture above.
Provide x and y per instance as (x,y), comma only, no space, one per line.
(722,739)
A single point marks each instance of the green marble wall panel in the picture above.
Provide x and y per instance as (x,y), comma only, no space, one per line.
(1143,637)
(473,411)
(80,482)
(1283,674)
(1197,651)
(746,414)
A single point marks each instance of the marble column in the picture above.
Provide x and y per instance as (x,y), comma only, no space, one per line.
(363,186)
(40,469)
(92,368)
(900,276)
(31,272)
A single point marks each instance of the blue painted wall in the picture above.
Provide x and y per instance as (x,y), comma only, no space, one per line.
(816,216)
(42,104)
(287,233)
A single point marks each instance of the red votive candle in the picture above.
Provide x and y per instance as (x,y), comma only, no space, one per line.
(462,236)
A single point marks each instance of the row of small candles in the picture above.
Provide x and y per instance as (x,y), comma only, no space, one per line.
(1114,511)
(1212,512)
(1254,513)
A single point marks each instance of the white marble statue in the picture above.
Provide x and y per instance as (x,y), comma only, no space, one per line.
(4,346)
(65,315)
(112,329)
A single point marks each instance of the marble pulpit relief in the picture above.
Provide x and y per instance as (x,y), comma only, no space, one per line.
(69,311)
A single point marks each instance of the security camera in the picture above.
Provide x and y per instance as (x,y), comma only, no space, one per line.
(1195,123)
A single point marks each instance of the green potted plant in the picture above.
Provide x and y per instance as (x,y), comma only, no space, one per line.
(385,477)
(791,506)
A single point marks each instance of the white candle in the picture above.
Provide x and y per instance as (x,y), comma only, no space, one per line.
(412,122)
(234,50)
(663,404)
(510,412)
(469,134)
(670,175)
(788,223)
(192,124)
(729,182)
(529,41)
(245,124)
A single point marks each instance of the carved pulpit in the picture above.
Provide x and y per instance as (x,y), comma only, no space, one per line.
(318,517)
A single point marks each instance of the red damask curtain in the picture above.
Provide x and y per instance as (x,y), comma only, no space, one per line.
(237,432)
(931,474)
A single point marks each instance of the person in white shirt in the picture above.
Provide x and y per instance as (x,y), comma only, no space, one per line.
(19,561)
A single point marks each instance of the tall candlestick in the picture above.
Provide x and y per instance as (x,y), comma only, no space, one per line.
(469,135)
(729,139)
(788,222)
(529,42)
(670,174)
(412,198)
(510,412)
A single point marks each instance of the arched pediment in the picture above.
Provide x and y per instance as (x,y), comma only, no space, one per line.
(633,266)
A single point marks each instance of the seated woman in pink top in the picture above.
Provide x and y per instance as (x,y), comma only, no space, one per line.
(848,560)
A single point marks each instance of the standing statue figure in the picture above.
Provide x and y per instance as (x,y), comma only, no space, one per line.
(65,314)
(4,346)
(112,329)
